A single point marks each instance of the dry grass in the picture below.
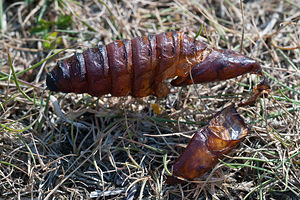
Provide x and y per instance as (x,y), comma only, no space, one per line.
(67,146)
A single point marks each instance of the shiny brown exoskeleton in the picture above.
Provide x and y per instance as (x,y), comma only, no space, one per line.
(139,67)
(223,133)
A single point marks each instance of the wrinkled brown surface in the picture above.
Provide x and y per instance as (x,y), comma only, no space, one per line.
(139,67)
(224,132)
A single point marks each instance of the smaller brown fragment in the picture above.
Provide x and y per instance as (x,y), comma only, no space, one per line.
(261,90)
(223,133)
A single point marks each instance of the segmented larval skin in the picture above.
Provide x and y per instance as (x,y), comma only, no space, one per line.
(139,67)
